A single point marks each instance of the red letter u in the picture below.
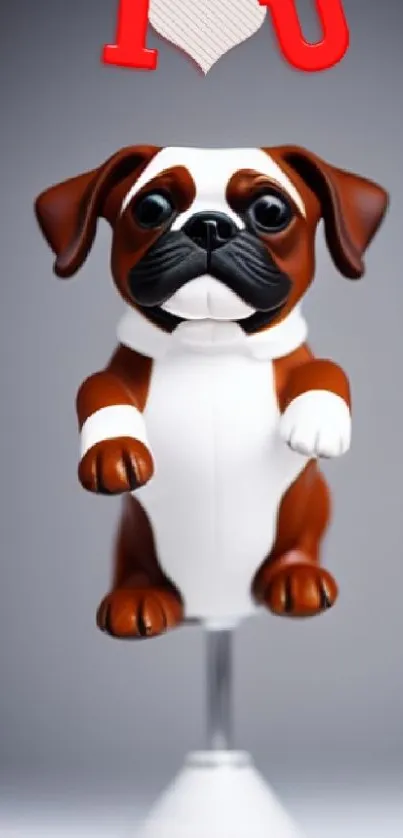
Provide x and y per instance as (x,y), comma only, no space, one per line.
(296,50)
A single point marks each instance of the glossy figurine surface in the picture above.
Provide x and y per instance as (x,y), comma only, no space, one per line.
(212,412)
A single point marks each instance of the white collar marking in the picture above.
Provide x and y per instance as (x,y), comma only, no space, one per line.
(211,337)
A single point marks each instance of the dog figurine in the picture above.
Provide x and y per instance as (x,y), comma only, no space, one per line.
(212,412)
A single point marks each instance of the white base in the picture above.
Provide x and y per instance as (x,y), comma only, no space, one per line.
(218,795)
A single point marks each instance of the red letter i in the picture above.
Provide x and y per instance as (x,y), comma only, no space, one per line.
(130,49)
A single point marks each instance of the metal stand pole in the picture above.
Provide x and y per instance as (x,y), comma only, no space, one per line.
(218,793)
(219,690)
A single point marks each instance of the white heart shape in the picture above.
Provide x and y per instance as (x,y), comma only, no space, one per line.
(206,29)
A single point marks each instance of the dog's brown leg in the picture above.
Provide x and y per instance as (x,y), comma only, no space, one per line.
(291,582)
(142,602)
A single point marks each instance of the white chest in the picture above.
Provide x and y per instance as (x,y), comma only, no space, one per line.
(221,471)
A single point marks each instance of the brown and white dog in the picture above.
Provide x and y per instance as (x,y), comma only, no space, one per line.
(212,412)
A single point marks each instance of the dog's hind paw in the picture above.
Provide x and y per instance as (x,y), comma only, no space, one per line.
(300,589)
(139,612)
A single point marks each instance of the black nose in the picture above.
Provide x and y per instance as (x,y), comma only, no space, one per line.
(210,230)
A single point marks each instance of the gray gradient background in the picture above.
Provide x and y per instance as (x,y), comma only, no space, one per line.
(321,699)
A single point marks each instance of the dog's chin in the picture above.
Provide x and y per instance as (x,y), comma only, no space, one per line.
(206,298)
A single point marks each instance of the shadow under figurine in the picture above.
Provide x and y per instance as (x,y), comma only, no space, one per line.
(212,412)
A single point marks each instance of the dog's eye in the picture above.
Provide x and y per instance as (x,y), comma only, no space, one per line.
(269,213)
(153,209)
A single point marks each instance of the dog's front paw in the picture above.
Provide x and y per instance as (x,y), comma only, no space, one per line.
(114,466)
(317,424)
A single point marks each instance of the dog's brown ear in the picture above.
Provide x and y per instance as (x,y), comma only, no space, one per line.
(353,207)
(68,212)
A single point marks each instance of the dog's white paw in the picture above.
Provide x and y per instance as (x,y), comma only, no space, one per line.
(317,424)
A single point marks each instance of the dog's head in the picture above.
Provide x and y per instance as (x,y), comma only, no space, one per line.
(225,234)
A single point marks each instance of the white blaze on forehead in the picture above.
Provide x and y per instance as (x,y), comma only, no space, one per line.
(211,171)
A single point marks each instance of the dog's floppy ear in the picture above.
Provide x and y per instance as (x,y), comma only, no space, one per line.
(353,207)
(68,212)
